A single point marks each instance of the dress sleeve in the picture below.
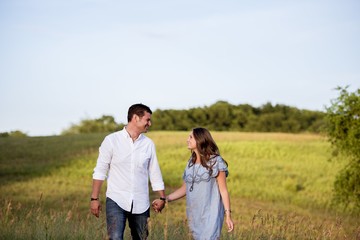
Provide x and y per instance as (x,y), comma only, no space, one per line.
(219,166)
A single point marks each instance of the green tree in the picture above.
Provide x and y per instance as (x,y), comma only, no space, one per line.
(220,116)
(198,117)
(103,124)
(162,120)
(16,133)
(343,118)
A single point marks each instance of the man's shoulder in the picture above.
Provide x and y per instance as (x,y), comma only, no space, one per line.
(146,139)
(114,134)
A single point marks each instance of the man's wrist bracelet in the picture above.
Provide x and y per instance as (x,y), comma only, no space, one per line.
(94,199)
(163,199)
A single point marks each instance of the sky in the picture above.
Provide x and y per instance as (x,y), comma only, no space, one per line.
(63,61)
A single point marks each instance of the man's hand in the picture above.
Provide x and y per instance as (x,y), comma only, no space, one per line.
(158,205)
(95,208)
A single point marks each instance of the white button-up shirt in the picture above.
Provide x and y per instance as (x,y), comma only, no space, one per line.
(128,166)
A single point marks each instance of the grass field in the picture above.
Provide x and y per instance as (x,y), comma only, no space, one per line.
(280,187)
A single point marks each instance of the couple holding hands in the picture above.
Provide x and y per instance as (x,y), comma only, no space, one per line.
(127,159)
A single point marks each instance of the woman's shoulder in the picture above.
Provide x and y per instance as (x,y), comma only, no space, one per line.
(216,159)
(219,164)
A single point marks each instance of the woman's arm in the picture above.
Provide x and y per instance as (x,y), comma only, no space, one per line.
(177,194)
(221,180)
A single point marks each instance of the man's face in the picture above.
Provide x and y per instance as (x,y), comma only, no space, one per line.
(144,122)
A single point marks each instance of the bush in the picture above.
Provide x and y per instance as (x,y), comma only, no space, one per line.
(344,134)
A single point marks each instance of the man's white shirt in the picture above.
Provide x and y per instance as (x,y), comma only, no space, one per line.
(127,166)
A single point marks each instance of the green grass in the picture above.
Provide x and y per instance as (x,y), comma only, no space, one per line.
(280,187)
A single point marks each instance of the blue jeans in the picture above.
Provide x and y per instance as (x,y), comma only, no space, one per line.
(116,222)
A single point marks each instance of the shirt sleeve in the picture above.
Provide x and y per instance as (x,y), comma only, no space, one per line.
(103,162)
(156,179)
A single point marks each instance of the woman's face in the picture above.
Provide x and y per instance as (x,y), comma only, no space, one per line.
(191,142)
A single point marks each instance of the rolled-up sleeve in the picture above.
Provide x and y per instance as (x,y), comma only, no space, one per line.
(103,162)
(156,179)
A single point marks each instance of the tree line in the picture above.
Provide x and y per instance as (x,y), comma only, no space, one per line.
(220,116)
(223,116)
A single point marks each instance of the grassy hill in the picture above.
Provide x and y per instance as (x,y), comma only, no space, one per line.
(280,187)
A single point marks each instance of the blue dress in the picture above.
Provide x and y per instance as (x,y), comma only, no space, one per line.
(204,206)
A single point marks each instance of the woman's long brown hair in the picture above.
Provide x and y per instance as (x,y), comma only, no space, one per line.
(207,148)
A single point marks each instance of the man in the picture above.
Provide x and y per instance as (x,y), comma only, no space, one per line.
(127,159)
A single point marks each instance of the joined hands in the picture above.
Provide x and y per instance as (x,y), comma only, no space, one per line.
(158,205)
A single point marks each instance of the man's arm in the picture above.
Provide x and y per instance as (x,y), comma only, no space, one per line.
(95,204)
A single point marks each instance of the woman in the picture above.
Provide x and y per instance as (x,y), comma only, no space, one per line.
(207,197)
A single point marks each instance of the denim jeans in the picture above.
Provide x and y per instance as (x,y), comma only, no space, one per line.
(116,222)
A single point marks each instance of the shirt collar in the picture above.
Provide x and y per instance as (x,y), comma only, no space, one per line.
(127,135)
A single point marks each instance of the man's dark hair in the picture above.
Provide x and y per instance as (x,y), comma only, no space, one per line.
(138,109)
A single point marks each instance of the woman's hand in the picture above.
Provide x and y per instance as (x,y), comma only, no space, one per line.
(229,223)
